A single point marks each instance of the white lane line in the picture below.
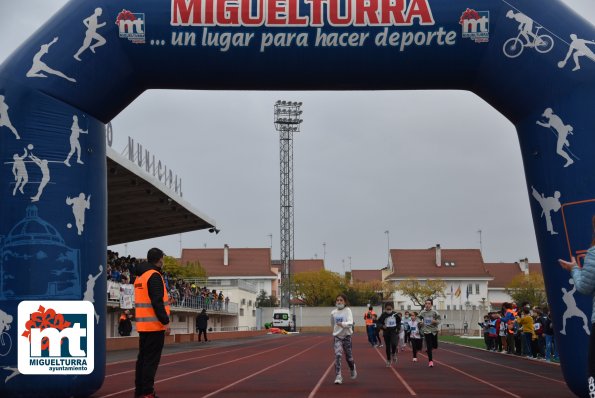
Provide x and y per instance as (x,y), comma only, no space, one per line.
(476,378)
(260,371)
(401,379)
(173,362)
(317,387)
(505,366)
(201,369)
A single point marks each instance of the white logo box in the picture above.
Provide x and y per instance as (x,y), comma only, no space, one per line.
(78,360)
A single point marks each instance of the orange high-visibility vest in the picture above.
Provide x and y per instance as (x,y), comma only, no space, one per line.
(368,317)
(146,319)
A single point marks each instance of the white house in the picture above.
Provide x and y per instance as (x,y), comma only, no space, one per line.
(240,273)
(462,270)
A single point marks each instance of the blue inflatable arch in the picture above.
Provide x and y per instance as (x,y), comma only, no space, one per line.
(531,60)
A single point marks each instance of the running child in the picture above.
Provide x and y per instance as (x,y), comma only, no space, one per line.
(401,344)
(414,336)
(377,328)
(391,323)
(342,322)
(429,320)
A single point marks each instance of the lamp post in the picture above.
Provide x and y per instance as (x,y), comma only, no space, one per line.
(387,232)
(287,120)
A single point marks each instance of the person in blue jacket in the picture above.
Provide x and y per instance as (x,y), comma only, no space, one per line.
(584,281)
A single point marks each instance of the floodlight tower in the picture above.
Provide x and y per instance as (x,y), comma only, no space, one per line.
(287,119)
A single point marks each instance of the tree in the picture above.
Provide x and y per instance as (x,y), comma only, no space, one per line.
(262,300)
(418,291)
(362,293)
(190,270)
(317,288)
(527,288)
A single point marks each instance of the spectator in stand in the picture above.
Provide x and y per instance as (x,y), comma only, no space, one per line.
(502,332)
(226,303)
(493,331)
(220,300)
(539,323)
(526,322)
(518,337)
(551,347)
(486,331)
(125,324)
(508,318)
(201,324)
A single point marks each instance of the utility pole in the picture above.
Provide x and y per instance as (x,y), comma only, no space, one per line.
(287,120)
(480,242)
(387,232)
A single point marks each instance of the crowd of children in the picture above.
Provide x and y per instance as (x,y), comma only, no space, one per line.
(521,331)
(397,330)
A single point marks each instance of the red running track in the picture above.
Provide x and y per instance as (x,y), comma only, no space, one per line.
(303,366)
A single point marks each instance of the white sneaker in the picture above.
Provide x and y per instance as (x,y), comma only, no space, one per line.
(339,379)
(414,359)
(353,373)
(395,360)
(388,363)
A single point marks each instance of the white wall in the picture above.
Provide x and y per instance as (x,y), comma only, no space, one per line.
(320,317)
(403,302)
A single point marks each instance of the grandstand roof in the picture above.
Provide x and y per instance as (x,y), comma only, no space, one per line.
(141,207)
(421,263)
(240,262)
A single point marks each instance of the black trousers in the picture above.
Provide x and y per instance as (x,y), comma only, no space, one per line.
(416,346)
(149,355)
(202,332)
(431,343)
(391,338)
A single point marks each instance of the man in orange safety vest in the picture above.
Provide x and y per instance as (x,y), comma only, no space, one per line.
(152,321)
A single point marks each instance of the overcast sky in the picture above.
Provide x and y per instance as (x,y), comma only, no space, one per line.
(430,167)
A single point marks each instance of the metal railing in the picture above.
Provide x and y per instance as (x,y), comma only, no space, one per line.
(199,303)
(219,284)
(196,303)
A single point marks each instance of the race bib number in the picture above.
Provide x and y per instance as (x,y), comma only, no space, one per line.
(391,322)
(427,322)
(338,319)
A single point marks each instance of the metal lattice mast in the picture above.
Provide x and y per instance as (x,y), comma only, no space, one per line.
(287,121)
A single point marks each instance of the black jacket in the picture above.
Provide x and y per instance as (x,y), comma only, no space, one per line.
(382,322)
(125,327)
(201,321)
(155,286)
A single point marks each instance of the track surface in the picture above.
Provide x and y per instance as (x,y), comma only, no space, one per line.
(303,366)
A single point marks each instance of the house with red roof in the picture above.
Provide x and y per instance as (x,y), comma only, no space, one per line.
(462,270)
(503,274)
(296,266)
(240,273)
